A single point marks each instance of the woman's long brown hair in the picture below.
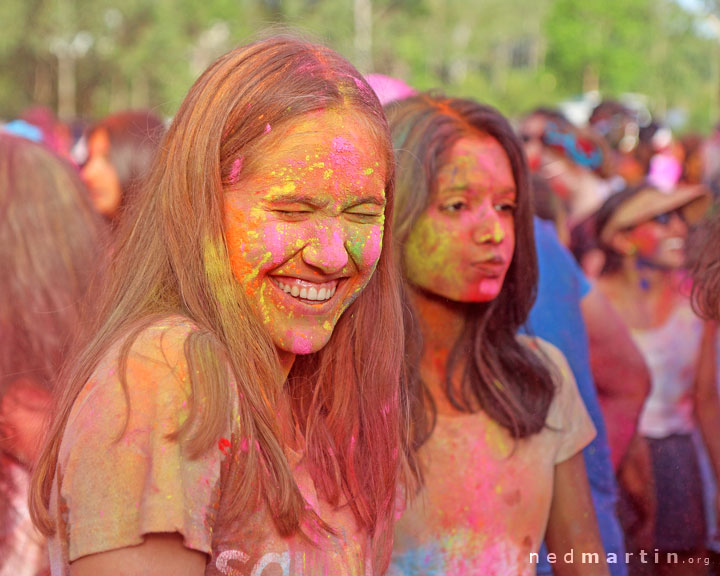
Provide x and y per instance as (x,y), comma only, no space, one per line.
(503,377)
(350,397)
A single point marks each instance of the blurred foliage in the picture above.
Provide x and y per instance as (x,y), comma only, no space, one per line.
(87,58)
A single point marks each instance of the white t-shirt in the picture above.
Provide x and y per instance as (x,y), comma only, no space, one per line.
(27,555)
(671,353)
(486,499)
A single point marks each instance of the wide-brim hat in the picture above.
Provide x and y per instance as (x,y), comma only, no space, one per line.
(649,202)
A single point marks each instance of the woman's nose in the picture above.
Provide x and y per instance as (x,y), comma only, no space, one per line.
(487,229)
(326,249)
(677,224)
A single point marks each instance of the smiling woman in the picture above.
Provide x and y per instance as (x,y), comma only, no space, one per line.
(241,403)
(304,228)
(642,232)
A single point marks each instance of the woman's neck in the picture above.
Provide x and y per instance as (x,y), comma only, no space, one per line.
(645,295)
(442,323)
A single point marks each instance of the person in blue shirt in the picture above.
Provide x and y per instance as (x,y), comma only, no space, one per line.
(558,317)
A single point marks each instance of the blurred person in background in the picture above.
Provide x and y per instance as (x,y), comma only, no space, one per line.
(642,233)
(574,162)
(620,128)
(574,316)
(693,158)
(120,149)
(50,248)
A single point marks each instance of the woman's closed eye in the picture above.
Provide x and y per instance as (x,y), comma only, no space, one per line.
(292,213)
(365,212)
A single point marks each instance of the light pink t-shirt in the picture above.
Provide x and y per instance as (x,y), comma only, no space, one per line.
(671,352)
(107,494)
(486,500)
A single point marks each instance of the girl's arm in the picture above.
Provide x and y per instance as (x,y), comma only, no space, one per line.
(572,527)
(158,555)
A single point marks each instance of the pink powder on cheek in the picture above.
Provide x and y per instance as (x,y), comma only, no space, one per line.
(646,239)
(373,246)
(267,128)
(275,242)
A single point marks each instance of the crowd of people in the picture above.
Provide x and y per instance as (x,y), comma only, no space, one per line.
(321,323)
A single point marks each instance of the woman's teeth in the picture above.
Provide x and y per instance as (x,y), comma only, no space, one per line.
(307,293)
(675,243)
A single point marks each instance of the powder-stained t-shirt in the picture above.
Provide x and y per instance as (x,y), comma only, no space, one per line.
(486,499)
(112,487)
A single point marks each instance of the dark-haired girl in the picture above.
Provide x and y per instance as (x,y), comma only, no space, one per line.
(498,416)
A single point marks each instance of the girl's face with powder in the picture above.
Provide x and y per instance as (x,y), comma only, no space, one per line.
(304,226)
(661,241)
(462,245)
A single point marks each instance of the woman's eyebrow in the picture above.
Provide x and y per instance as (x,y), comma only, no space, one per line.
(295,198)
(369,199)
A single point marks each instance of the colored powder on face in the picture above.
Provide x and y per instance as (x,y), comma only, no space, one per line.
(368,171)
(267,128)
(498,233)
(237,166)
(301,344)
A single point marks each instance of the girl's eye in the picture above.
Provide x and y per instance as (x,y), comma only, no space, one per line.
(453,206)
(506,206)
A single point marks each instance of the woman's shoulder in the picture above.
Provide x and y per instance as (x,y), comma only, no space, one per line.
(553,358)
(162,340)
(144,364)
(568,420)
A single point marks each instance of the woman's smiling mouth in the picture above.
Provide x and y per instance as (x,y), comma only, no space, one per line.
(305,290)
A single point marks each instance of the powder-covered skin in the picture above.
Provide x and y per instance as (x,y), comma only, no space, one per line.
(312,209)
(486,499)
(143,482)
(659,244)
(462,245)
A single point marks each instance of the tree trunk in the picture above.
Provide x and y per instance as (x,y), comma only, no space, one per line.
(363,35)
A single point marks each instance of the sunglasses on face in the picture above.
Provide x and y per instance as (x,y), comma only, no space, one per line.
(665,218)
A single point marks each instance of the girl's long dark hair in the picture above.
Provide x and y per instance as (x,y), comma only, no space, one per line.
(504,378)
